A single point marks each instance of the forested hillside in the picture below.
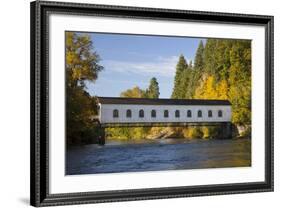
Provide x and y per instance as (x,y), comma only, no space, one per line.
(221,70)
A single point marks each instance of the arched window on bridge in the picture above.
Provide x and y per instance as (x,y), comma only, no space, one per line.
(220,113)
(189,114)
(153,113)
(141,113)
(199,114)
(166,113)
(210,113)
(115,113)
(128,113)
(177,113)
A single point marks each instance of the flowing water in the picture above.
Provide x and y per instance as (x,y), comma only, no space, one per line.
(152,155)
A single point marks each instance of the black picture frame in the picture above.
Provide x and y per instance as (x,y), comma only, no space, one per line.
(39,187)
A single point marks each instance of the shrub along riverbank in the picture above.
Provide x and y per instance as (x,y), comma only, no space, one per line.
(192,132)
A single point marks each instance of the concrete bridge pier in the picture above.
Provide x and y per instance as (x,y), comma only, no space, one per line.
(227,130)
(101,137)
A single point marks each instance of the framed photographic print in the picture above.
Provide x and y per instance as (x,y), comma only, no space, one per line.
(131,103)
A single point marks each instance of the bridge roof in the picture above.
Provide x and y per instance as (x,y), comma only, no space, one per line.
(149,101)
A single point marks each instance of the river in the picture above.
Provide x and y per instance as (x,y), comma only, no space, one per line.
(154,155)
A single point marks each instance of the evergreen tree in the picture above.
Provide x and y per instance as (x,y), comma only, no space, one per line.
(180,68)
(153,89)
(196,71)
(210,64)
(199,57)
(185,80)
(240,82)
(217,58)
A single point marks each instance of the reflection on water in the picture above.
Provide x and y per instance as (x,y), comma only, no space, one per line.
(153,155)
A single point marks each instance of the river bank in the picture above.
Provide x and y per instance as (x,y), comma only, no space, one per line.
(99,135)
(160,133)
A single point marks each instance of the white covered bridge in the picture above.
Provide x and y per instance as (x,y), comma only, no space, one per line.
(116,111)
(132,112)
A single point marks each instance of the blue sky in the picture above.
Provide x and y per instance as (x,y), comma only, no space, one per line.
(132,60)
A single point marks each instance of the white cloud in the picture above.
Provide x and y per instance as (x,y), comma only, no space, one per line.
(163,66)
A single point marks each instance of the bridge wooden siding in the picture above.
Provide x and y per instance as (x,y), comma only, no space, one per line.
(113,112)
(146,112)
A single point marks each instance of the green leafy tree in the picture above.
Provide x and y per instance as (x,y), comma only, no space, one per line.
(81,66)
(81,60)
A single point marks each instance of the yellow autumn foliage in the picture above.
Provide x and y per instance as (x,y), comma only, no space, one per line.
(209,89)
